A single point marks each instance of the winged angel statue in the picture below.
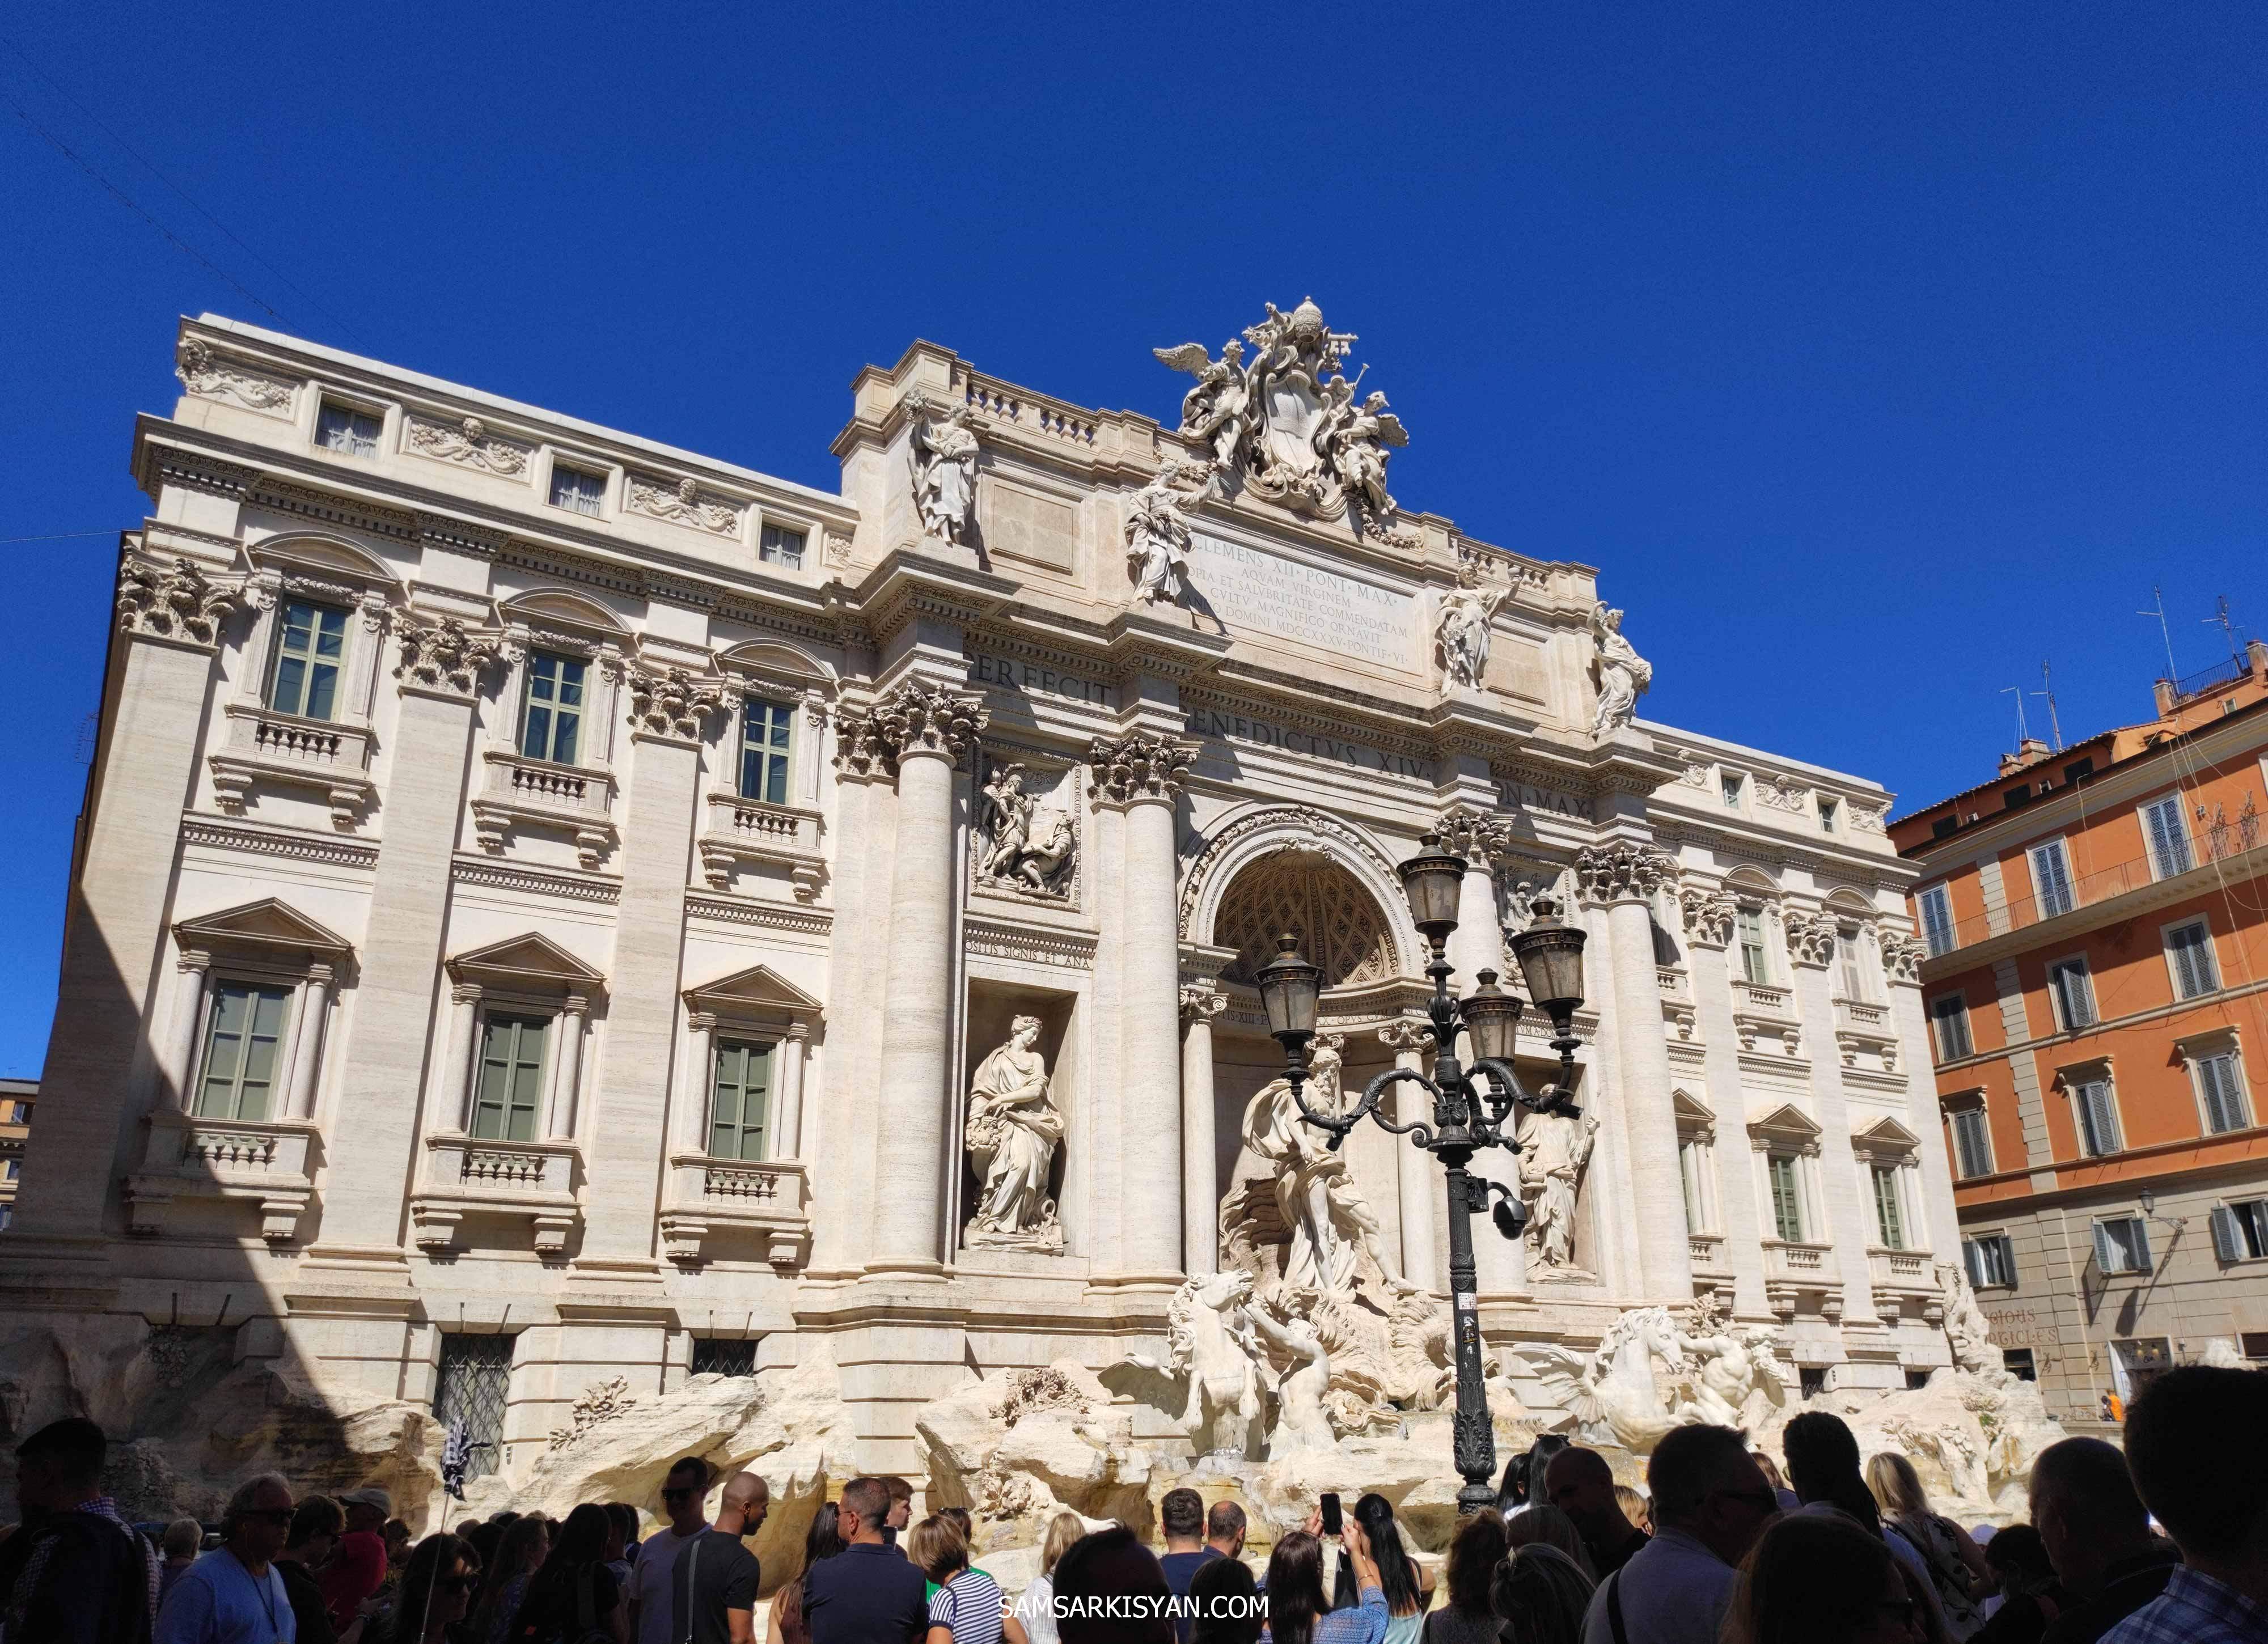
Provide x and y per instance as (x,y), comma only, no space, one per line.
(1287,425)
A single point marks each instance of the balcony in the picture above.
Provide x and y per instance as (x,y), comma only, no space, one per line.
(752,833)
(520,792)
(270,1163)
(1863,1028)
(1764,1014)
(2230,845)
(533,1181)
(317,756)
(1903,1276)
(1706,1252)
(767,1201)
(1795,1271)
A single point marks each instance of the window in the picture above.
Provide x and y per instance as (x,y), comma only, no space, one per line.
(1991,1261)
(551,717)
(1916,1380)
(1888,1221)
(739,1101)
(577,489)
(781,546)
(309,644)
(1948,1021)
(2188,951)
(1811,1379)
(2078,769)
(19,1113)
(2143,1362)
(473,1378)
(7,1217)
(2221,1091)
(2018,1362)
(2051,879)
(2096,1115)
(1729,784)
(1972,1142)
(1755,960)
(15,1169)
(767,729)
(1826,809)
(241,1039)
(2240,1231)
(2123,1245)
(1936,919)
(1786,1199)
(2074,992)
(2015,798)
(1945,826)
(511,1078)
(724,1355)
(2169,837)
(2255,1344)
(344,429)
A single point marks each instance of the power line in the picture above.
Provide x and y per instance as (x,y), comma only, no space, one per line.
(59,536)
(64,91)
(128,201)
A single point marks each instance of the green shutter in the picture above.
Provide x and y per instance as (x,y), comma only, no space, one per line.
(242,1042)
(1886,1207)
(739,1101)
(1787,1209)
(511,1091)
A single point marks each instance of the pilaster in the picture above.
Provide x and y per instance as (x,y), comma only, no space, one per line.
(1709,920)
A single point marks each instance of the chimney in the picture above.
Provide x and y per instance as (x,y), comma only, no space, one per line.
(2256,653)
(2029,753)
(2164,690)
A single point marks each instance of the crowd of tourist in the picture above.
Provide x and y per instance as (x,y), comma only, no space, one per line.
(2163,1542)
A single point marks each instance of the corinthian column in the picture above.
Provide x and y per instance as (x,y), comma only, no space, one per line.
(1623,878)
(1141,774)
(925,730)
(1415,1185)
(1200,1227)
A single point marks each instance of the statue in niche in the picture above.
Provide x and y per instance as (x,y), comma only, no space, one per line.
(1014,1131)
(1158,535)
(1460,633)
(1330,1220)
(1623,675)
(1554,1151)
(944,469)
(1031,846)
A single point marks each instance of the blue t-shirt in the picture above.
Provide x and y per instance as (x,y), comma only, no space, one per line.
(1180,1569)
(219,1602)
(866,1594)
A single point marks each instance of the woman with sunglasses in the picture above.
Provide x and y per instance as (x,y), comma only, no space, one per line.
(437,1591)
(574,1596)
(1820,1578)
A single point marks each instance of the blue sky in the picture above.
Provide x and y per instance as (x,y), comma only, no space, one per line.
(1876,355)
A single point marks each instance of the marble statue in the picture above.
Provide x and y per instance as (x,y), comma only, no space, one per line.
(1967,1331)
(1303,1381)
(1554,1151)
(1460,633)
(944,469)
(1158,535)
(1285,423)
(1209,1341)
(1612,1394)
(1330,1220)
(1623,675)
(1027,845)
(1014,1130)
(1732,1366)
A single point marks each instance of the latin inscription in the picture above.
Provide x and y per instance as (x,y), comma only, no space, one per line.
(1272,595)
(1523,796)
(1227,726)
(1018,674)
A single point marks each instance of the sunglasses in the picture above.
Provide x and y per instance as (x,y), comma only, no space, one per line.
(281,1516)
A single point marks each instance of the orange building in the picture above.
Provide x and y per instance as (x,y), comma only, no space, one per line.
(2096,923)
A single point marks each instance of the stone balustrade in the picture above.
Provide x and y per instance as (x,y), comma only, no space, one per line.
(268,1163)
(752,833)
(533,1181)
(517,791)
(329,760)
(711,1202)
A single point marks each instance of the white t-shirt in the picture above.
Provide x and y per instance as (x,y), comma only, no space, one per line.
(1035,1608)
(657,1562)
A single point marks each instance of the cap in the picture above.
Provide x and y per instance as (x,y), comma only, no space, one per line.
(369,1495)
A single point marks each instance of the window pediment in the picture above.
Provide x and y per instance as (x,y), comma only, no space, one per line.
(1888,1141)
(757,993)
(1693,1116)
(1787,1129)
(531,963)
(269,928)
(546,606)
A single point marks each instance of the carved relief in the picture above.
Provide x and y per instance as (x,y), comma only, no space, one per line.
(1868,818)
(1810,936)
(1139,767)
(1026,841)
(944,455)
(206,374)
(837,547)
(672,703)
(1622,873)
(1780,793)
(469,444)
(173,601)
(1476,835)
(440,653)
(684,503)
(1902,953)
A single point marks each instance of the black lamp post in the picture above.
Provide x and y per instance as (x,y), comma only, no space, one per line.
(1467,1115)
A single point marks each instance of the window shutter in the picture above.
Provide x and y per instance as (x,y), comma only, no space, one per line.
(2004,1257)
(2106,1254)
(1973,1256)
(2228,1238)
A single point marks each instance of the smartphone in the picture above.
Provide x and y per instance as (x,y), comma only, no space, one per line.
(1331,1522)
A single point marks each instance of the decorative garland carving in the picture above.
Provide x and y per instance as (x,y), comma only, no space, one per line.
(173,601)
(685,504)
(469,444)
(202,372)
(439,653)
(1140,766)
(1781,794)
(1622,873)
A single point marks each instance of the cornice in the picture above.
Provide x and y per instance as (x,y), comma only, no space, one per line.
(1881,873)
(580,887)
(1395,736)
(908,583)
(270,842)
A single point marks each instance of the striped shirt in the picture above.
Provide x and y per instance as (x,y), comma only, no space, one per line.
(970,1603)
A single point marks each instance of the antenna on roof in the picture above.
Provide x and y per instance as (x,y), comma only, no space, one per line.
(2023,734)
(2158,610)
(2055,725)
(2226,623)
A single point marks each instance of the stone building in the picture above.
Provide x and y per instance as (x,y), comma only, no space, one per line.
(18,1097)
(553,906)
(2096,956)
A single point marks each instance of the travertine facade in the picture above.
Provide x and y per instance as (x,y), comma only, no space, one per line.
(540,884)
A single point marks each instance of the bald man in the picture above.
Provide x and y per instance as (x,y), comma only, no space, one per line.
(1580,1484)
(713,1585)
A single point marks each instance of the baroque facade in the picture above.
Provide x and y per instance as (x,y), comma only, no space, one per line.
(552,907)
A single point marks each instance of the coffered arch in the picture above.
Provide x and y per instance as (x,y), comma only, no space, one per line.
(1267,862)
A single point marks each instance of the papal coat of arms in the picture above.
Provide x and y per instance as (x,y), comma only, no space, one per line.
(1286,424)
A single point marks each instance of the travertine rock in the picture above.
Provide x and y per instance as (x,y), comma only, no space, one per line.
(1971,1437)
(1018,1447)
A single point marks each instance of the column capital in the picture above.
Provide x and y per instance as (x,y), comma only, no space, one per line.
(197,959)
(797,1032)
(576,1005)
(322,974)
(1810,936)
(440,655)
(1406,1033)
(1710,915)
(173,601)
(1474,835)
(466,993)
(675,705)
(1139,767)
(915,719)
(702,1021)
(1201,1004)
(1623,872)
(1902,954)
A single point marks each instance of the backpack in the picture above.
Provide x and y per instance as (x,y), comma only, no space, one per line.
(1949,1576)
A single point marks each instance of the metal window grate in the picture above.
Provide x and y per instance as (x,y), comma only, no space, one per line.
(475,1377)
(724,1355)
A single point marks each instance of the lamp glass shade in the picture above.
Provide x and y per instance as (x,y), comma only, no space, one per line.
(1493,1018)
(1550,956)
(1289,986)
(1431,880)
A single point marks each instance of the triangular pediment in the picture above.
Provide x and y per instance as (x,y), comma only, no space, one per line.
(758,990)
(267,924)
(1688,1106)
(1887,1133)
(528,961)
(1788,1121)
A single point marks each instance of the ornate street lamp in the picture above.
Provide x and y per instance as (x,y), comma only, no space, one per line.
(1470,1112)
